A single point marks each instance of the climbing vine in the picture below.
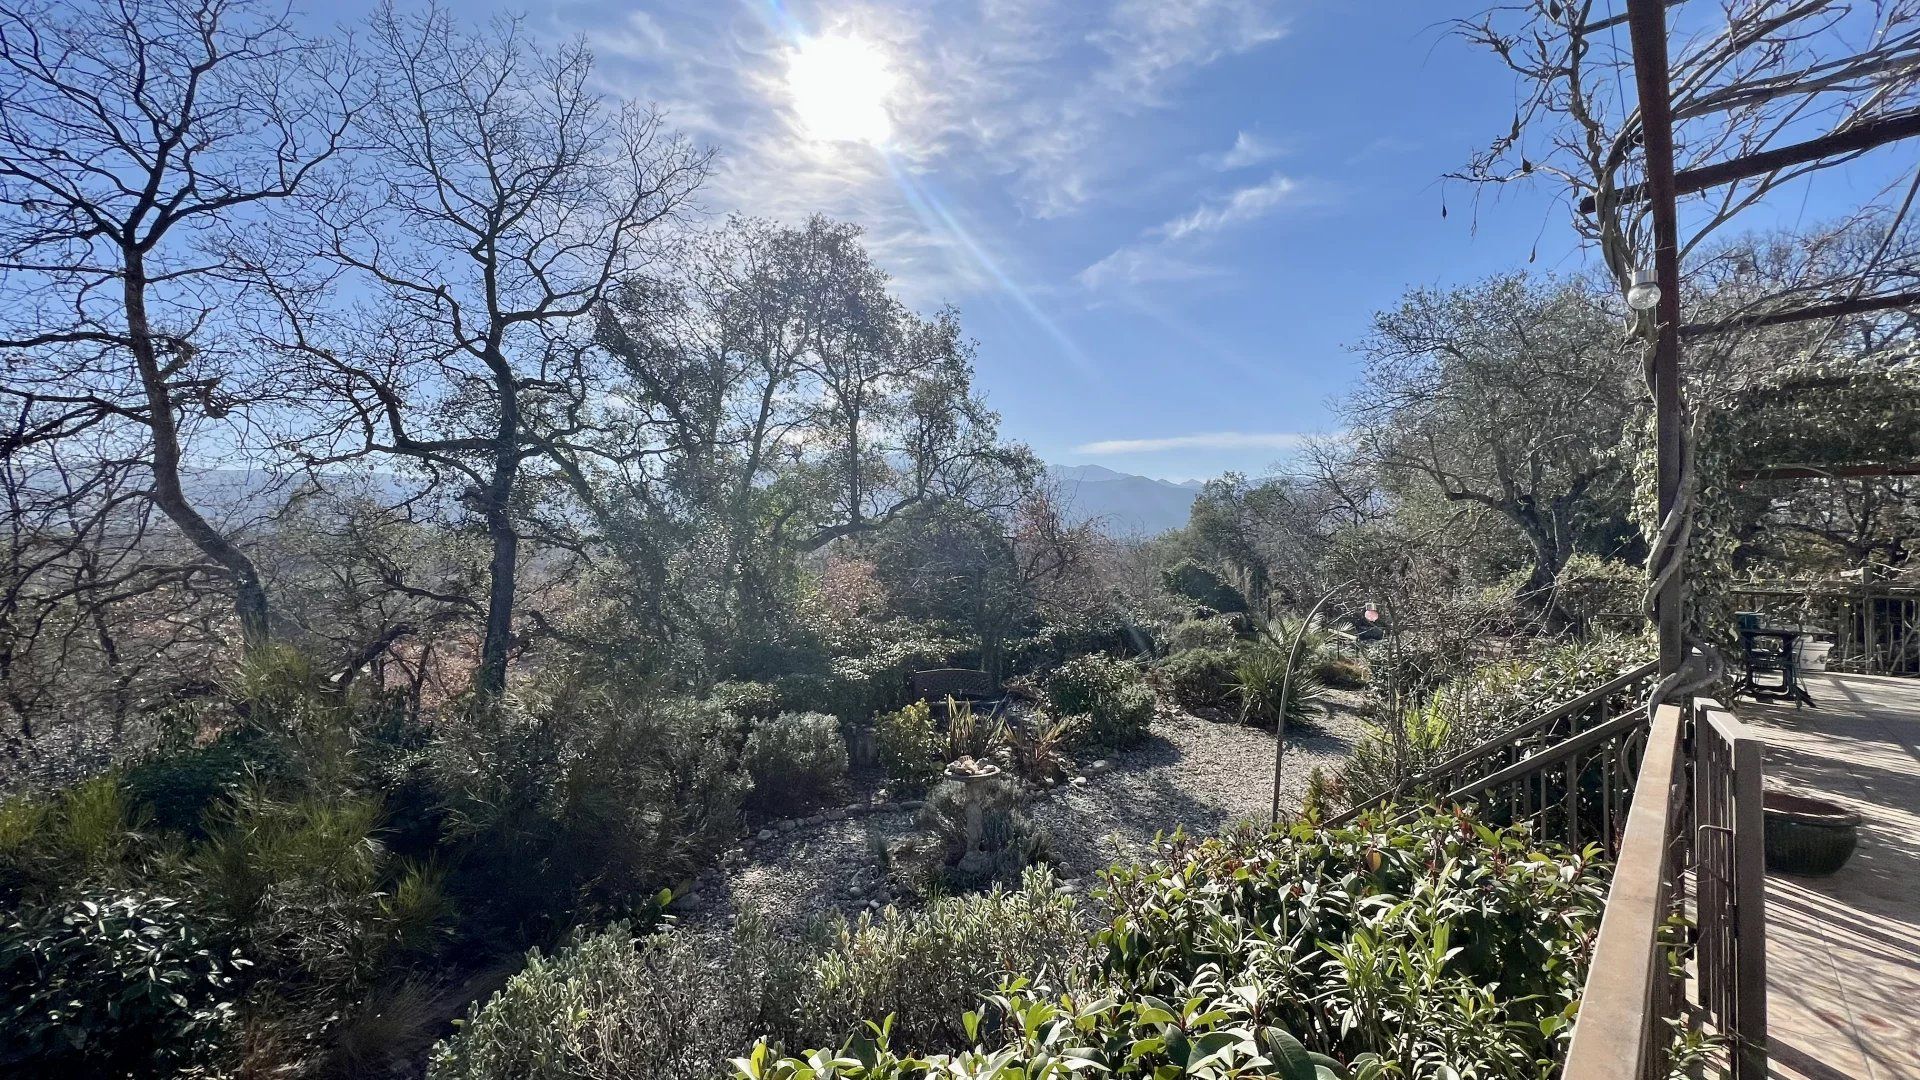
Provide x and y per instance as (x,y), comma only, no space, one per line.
(1828,413)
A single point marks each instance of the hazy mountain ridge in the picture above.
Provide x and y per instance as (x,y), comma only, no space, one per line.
(1124,504)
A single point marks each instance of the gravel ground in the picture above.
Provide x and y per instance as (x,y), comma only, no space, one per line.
(1199,774)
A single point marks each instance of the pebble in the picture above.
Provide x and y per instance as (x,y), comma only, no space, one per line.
(1099,767)
(766,834)
(1078,781)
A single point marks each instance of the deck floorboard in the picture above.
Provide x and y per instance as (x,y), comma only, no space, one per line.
(1843,952)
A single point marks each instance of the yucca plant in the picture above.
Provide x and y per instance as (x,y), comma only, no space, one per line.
(1259,678)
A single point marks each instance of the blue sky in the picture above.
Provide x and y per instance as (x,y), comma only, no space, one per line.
(1162,220)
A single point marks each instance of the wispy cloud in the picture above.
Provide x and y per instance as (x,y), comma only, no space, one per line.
(1161,253)
(1139,265)
(1247,150)
(1237,207)
(1212,440)
(1029,99)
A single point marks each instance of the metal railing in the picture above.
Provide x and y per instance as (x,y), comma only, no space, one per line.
(1695,816)
(1494,761)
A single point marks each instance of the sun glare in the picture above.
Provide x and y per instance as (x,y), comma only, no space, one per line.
(840,86)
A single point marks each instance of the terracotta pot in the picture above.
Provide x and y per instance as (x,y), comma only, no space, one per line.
(1808,836)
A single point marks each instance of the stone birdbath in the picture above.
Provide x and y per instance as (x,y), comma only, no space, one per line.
(973,775)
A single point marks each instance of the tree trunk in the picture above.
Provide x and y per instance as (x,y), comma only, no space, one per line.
(491,680)
(249,595)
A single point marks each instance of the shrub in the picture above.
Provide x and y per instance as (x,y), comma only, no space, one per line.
(1472,709)
(1436,943)
(1039,750)
(1340,672)
(1260,680)
(121,984)
(1589,586)
(177,789)
(1112,695)
(751,702)
(908,747)
(1217,1032)
(970,734)
(796,761)
(925,969)
(610,1006)
(1211,633)
(1201,678)
(578,798)
(1203,585)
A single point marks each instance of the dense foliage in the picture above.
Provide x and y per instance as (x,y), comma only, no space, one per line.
(1434,947)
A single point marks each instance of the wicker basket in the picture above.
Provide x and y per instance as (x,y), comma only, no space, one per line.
(1808,836)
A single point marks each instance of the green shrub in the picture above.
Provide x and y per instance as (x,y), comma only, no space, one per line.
(113,984)
(1260,681)
(926,968)
(908,747)
(1202,585)
(1211,633)
(1202,678)
(1340,672)
(1112,695)
(796,761)
(751,702)
(1436,943)
(177,789)
(608,1006)
(1472,709)
(581,799)
(1217,1032)
(970,734)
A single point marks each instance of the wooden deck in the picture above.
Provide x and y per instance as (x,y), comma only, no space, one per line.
(1843,953)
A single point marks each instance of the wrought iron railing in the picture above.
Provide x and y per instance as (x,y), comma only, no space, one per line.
(1595,773)
(1695,817)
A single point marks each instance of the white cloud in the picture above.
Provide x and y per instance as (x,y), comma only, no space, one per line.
(1214,440)
(1248,149)
(1137,265)
(1236,208)
(1157,257)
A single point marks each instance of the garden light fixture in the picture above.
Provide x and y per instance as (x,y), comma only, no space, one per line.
(1644,293)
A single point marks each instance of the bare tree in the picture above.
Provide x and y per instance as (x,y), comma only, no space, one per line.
(1747,76)
(139,139)
(501,198)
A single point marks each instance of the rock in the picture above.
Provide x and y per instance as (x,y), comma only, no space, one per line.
(812,819)
(873,905)
(1078,781)
(975,862)
(911,805)
(692,901)
(766,835)
(838,813)
(1099,767)
(786,825)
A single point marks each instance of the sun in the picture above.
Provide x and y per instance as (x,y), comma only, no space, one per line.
(840,85)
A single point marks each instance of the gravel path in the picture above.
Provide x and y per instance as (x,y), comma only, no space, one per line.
(1199,774)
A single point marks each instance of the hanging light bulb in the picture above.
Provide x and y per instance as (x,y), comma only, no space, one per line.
(1644,293)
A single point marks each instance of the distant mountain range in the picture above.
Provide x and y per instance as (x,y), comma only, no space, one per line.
(1122,503)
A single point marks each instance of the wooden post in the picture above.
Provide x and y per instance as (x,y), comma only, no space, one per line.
(1648,21)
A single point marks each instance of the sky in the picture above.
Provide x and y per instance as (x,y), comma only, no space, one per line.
(1163,221)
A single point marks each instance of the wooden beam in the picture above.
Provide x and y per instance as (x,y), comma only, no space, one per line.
(1818,472)
(1620,1031)
(1850,140)
(1598,25)
(1832,309)
(1647,19)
